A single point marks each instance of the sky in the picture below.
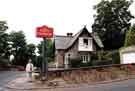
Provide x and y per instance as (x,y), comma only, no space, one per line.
(63,15)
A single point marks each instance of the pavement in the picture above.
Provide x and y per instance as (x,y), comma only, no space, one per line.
(22,84)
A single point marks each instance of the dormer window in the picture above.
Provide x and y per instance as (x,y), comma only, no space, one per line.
(85,41)
(85,44)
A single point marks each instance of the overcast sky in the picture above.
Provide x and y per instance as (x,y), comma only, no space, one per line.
(63,15)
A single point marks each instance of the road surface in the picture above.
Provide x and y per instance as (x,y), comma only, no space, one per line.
(6,76)
(127,85)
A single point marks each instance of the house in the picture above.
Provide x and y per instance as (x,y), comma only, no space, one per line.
(82,44)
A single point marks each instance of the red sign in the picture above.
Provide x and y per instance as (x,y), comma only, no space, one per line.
(44,31)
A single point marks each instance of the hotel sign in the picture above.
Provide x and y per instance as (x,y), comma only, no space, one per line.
(44,32)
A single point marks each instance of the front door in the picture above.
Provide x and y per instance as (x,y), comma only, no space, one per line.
(66,61)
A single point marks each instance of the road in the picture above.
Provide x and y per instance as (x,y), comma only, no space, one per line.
(127,85)
(6,76)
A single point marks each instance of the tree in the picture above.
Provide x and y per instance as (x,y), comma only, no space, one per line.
(50,49)
(130,37)
(112,22)
(3,26)
(19,44)
(3,39)
(31,50)
(4,46)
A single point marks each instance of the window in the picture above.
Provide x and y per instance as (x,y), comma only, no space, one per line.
(85,41)
(85,44)
(85,58)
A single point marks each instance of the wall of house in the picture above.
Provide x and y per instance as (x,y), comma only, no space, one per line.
(59,58)
(75,53)
(61,55)
(74,49)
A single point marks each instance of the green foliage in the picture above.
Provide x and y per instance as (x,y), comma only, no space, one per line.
(3,38)
(4,47)
(112,22)
(130,37)
(19,46)
(107,57)
(116,57)
(18,39)
(77,62)
(50,49)
(3,61)
(3,26)
(31,50)
(38,61)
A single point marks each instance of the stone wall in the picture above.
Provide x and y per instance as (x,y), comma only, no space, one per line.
(89,75)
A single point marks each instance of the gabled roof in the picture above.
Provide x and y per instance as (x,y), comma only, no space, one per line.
(61,42)
(64,42)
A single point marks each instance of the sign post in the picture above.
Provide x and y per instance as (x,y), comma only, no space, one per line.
(44,32)
(44,61)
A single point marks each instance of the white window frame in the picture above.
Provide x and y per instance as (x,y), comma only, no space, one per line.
(85,58)
(83,47)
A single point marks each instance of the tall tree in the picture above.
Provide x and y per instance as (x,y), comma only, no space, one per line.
(3,26)
(112,21)
(3,39)
(31,50)
(130,37)
(50,49)
(19,44)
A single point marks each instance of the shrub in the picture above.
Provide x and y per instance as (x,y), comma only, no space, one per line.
(130,36)
(77,62)
(115,57)
(3,61)
(102,62)
(107,57)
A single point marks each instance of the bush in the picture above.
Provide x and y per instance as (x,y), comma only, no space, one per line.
(113,56)
(107,57)
(4,61)
(38,62)
(130,36)
(77,62)
(94,56)
(102,62)
(116,57)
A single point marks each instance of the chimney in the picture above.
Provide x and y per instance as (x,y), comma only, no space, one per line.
(69,34)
